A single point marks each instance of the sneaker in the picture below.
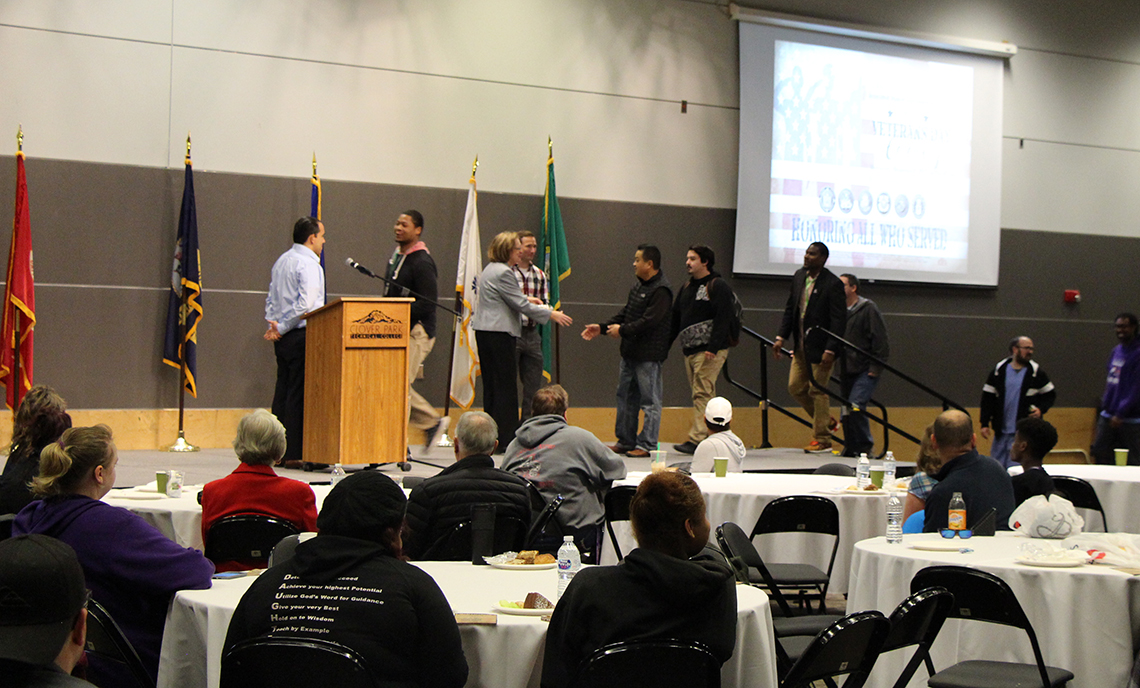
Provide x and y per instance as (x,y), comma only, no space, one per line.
(436,434)
(637,453)
(686,447)
(817,447)
(620,448)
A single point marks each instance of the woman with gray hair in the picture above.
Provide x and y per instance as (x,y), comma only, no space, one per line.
(254,487)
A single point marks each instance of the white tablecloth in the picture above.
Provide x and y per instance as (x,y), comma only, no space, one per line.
(740,497)
(178,518)
(1117,487)
(1087,619)
(507,655)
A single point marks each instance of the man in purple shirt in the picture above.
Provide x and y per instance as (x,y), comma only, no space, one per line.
(1119,421)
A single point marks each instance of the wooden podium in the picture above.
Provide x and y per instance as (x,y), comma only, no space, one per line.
(356,381)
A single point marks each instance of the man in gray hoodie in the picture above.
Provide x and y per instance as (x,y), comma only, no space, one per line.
(560,459)
(866,330)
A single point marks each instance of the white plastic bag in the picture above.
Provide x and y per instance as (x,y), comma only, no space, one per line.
(1046,517)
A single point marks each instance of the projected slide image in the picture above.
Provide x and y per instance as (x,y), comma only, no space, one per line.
(870,155)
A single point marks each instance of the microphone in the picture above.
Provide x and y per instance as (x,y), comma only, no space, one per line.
(358,267)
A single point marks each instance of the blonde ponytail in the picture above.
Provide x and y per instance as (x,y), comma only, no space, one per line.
(64,464)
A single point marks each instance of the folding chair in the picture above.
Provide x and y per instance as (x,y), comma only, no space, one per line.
(617,509)
(916,621)
(659,663)
(456,544)
(840,469)
(275,662)
(848,647)
(106,641)
(981,596)
(793,633)
(536,537)
(246,538)
(800,514)
(1081,493)
(6,525)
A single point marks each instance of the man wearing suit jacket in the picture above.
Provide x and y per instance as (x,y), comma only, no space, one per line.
(817,301)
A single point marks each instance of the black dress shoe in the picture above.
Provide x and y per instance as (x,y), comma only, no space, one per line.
(685,448)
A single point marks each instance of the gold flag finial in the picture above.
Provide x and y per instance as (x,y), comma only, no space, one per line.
(550,146)
(188,144)
(314,163)
(19,138)
(475,165)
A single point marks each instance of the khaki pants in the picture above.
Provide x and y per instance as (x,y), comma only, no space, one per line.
(421,414)
(815,402)
(702,373)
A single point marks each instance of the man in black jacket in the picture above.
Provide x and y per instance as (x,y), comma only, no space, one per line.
(643,328)
(443,501)
(702,315)
(413,272)
(816,301)
(984,484)
(1016,388)
(866,330)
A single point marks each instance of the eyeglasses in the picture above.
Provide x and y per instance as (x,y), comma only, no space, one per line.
(949,533)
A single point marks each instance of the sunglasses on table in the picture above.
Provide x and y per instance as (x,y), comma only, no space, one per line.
(949,533)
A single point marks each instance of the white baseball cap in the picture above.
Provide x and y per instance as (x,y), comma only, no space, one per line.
(718,411)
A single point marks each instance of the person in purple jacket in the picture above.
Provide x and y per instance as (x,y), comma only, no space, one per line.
(1119,421)
(132,569)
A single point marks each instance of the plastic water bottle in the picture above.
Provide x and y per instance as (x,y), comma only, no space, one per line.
(569,561)
(894,520)
(337,474)
(863,472)
(889,471)
(956,518)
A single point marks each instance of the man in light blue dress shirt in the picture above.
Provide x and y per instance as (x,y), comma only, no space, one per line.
(296,287)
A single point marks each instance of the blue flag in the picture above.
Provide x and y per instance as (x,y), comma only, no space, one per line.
(184,310)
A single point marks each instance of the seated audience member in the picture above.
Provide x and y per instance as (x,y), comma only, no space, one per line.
(1034,439)
(660,590)
(41,418)
(43,619)
(397,618)
(560,459)
(443,501)
(722,441)
(254,488)
(984,484)
(132,569)
(922,482)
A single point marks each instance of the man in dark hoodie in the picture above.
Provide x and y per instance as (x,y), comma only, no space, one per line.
(560,459)
(412,272)
(866,330)
(702,316)
(643,328)
(663,589)
(396,618)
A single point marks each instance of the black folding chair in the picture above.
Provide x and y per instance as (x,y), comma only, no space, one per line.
(660,663)
(456,544)
(848,647)
(246,538)
(274,662)
(1081,493)
(617,509)
(6,525)
(840,469)
(981,596)
(793,633)
(106,641)
(800,514)
(916,621)
(536,537)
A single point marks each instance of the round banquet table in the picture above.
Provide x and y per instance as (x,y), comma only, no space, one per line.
(740,497)
(1087,618)
(1117,488)
(506,655)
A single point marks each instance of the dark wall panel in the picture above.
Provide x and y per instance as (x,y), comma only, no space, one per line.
(113,227)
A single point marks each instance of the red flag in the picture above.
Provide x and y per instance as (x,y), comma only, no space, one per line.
(19,298)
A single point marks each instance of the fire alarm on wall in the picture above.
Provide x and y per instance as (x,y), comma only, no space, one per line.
(1072,296)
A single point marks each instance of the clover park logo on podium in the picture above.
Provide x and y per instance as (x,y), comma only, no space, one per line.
(376,325)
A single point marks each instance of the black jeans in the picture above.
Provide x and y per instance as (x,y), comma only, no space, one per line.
(289,393)
(497,365)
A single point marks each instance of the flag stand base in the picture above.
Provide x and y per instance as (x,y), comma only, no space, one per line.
(444,441)
(181,445)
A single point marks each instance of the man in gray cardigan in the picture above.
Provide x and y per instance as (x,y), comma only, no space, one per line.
(866,330)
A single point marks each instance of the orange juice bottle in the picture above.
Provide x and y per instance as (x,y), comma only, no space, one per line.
(957,515)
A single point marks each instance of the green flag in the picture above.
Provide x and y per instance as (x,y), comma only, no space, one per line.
(555,261)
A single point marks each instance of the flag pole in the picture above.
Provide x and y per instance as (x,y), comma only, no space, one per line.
(557,352)
(445,441)
(180,444)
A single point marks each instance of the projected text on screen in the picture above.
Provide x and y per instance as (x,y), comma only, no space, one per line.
(870,155)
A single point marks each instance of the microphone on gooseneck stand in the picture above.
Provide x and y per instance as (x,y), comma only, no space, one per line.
(403,290)
(358,267)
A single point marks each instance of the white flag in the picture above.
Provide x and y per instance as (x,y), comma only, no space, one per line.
(465,365)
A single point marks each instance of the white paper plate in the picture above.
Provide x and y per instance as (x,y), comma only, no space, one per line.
(943,545)
(522,612)
(137,495)
(1051,563)
(526,567)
